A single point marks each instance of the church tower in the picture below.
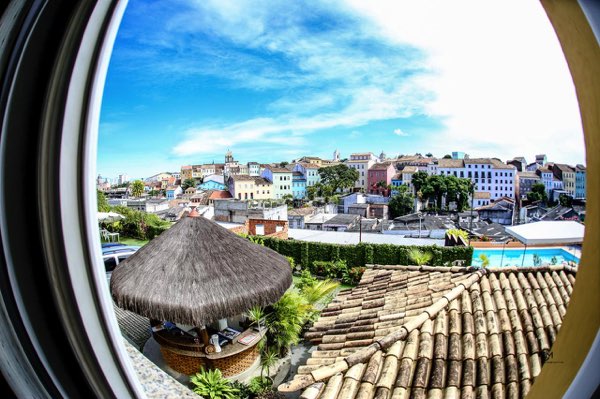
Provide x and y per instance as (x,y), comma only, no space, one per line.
(228,157)
(336,155)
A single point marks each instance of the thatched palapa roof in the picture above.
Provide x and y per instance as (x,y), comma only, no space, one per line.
(198,272)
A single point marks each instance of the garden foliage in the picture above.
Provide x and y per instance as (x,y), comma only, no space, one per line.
(306,253)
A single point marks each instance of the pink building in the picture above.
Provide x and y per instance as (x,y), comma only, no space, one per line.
(381,172)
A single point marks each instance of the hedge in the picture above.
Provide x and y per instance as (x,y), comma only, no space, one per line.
(305,253)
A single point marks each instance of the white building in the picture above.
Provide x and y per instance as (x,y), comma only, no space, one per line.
(488,174)
(362,162)
(254,169)
(547,179)
(123,178)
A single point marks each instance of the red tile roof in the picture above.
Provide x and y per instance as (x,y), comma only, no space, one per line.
(433,332)
(219,194)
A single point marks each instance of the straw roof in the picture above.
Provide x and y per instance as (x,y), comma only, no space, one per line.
(197,272)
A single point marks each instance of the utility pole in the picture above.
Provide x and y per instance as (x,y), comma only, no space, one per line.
(471,219)
(360,228)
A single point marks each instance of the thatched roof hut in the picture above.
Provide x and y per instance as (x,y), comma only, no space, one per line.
(198,272)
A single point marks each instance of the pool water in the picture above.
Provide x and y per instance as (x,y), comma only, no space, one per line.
(514,257)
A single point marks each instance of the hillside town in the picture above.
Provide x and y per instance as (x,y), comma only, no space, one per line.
(418,196)
(356,257)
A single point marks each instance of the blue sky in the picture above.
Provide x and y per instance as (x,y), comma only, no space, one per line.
(274,81)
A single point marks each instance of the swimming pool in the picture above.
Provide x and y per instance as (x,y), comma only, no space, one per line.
(514,256)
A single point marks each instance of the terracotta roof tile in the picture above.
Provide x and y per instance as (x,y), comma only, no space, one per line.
(436,332)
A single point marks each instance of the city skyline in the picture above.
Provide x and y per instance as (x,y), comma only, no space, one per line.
(187,82)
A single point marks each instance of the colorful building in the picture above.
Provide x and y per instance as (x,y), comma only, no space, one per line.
(298,185)
(310,172)
(245,187)
(580,182)
(362,162)
(380,173)
(173,191)
(566,174)
(547,178)
(281,179)
(186,172)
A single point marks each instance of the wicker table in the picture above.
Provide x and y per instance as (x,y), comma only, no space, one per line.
(185,353)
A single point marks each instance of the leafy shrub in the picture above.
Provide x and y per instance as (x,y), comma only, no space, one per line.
(243,390)
(257,240)
(320,292)
(285,321)
(306,280)
(419,257)
(329,269)
(137,224)
(212,385)
(291,261)
(305,253)
(352,276)
(260,385)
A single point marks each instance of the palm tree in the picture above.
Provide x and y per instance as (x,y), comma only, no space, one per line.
(137,188)
(268,359)
(485,260)
(319,291)
(420,258)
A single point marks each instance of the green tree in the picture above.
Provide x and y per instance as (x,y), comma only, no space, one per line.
(565,200)
(419,179)
(435,188)
(283,164)
(401,203)
(312,192)
(447,156)
(288,199)
(102,202)
(429,155)
(137,188)
(327,191)
(537,193)
(339,176)
(466,188)
(187,183)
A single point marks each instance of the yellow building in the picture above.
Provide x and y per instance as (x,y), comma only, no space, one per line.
(246,187)
(186,172)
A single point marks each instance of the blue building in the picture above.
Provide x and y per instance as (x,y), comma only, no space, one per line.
(212,185)
(580,182)
(298,185)
(310,172)
(396,182)
(173,191)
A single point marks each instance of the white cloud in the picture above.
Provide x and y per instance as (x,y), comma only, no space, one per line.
(491,72)
(400,132)
(500,80)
